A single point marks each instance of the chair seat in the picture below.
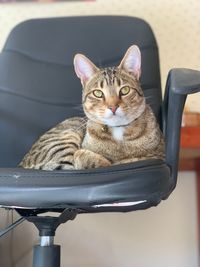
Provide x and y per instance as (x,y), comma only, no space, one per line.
(124,187)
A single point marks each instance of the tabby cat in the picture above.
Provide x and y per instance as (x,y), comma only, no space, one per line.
(119,126)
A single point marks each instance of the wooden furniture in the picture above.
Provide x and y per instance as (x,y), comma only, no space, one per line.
(190,156)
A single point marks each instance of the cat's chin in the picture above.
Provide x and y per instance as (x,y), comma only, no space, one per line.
(116,121)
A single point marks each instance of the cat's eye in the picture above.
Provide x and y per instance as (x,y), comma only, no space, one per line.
(125,90)
(98,93)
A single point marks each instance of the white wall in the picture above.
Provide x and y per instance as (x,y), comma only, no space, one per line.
(164,236)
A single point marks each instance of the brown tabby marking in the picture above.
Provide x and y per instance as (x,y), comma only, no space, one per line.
(120,126)
(55,149)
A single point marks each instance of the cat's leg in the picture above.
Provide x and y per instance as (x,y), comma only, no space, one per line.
(129,160)
(49,166)
(66,167)
(86,159)
(52,165)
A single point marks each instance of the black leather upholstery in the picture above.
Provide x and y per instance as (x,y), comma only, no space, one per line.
(146,182)
(38,86)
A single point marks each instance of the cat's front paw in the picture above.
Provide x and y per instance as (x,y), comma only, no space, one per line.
(86,159)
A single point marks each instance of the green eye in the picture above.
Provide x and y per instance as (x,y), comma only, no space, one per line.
(98,93)
(125,90)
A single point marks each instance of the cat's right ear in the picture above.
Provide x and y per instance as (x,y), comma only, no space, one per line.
(84,68)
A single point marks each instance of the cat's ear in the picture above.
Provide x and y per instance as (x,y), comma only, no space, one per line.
(131,62)
(84,68)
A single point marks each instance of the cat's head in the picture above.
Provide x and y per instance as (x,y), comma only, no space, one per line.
(112,96)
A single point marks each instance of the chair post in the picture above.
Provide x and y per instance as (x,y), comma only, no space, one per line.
(46,254)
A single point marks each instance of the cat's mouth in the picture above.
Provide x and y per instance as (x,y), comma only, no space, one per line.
(113,120)
(116,121)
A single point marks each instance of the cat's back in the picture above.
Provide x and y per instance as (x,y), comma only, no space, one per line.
(56,146)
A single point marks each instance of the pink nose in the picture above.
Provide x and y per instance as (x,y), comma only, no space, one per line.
(113,108)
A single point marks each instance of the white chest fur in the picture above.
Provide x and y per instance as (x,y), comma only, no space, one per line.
(118,133)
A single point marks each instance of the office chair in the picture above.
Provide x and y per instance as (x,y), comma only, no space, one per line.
(38,89)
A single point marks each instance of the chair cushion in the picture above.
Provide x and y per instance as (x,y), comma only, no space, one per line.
(145,182)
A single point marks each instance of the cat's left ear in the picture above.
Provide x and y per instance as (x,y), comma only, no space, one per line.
(131,62)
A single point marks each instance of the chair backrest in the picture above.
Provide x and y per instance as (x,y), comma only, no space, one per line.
(38,86)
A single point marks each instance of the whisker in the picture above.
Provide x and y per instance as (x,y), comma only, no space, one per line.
(78,108)
(147,97)
(151,104)
(83,124)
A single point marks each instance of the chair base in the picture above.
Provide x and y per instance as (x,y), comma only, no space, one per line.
(44,256)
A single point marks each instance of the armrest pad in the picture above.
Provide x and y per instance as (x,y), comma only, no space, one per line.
(184,81)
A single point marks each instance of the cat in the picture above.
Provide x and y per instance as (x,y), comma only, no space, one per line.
(119,126)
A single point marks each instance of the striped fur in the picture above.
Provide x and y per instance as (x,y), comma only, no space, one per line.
(55,149)
(119,126)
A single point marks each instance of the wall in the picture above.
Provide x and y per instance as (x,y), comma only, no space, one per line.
(164,236)
(175,23)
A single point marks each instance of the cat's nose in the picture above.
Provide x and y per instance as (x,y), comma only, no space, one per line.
(113,108)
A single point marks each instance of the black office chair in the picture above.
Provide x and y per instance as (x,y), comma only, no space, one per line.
(38,89)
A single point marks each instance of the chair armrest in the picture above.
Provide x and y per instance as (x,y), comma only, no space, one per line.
(180,83)
(184,81)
